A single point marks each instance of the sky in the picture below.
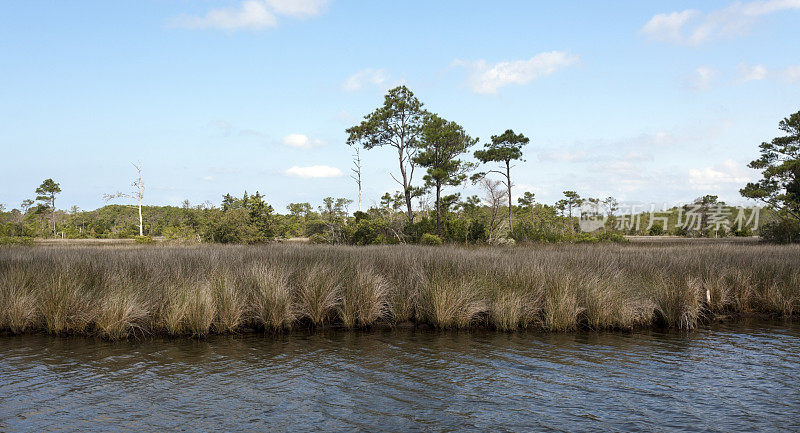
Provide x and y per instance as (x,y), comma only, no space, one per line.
(651,102)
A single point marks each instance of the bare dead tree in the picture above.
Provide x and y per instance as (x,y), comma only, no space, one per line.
(137,194)
(495,196)
(356,176)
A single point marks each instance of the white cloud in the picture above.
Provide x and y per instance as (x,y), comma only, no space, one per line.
(751,73)
(792,73)
(251,14)
(563,156)
(651,140)
(702,77)
(668,27)
(719,176)
(366,77)
(249,133)
(208,178)
(691,27)
(298,8)
(488,78)
(301,141)
(622,168)
(313,172)
(637,156)
(224,128)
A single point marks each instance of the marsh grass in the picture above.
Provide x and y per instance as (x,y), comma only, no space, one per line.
(190,309)
(509,311)
(271,306)
(120,307)
(65,304)
(119,314)
(17,302)
(229,302)
(116,292)
(450,301)
(561,303)
(678,302)
(364,298)
(318,292)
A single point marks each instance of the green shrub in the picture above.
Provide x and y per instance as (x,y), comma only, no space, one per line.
(477,232)
(524,231)
(656,230)
(455,230)
(612,237)
(358,216)
(586,238)
(367,232)
(681,231)
(235,226)
(144,240)
(414,232)
(318,238)
(384,239)
(181,233)
(16,240)
(429,239)
(780,232)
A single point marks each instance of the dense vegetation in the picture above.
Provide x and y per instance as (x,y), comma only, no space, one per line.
(248,219)
(120,291)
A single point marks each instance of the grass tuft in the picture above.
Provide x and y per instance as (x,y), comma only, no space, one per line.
(271,299)
(364,299)
(229,303)
(450,302)
(119,315)
(318,293)
(17,302)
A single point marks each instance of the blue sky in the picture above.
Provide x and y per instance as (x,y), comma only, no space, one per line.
(646,101)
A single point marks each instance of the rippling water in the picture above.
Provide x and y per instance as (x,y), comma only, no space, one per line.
(729,378)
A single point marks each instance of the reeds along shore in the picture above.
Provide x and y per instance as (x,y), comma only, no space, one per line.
(118,292)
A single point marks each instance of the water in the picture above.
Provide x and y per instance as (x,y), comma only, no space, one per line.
(729,378)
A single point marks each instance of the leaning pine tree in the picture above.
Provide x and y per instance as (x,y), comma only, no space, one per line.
(398,124)
(779,187)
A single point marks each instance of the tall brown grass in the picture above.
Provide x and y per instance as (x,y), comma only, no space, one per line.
(230,303)
(318,292)
(271,303)
(18,305)
(120,309)
(450,301)
(116,292)
(364,298)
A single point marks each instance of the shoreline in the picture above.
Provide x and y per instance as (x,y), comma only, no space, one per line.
(387,327)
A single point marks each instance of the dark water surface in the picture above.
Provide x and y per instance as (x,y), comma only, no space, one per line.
(728,378)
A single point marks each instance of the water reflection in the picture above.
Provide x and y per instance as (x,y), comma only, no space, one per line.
(734,377)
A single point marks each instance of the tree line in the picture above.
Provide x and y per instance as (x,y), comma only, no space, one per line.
(422,141)
(249,219)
